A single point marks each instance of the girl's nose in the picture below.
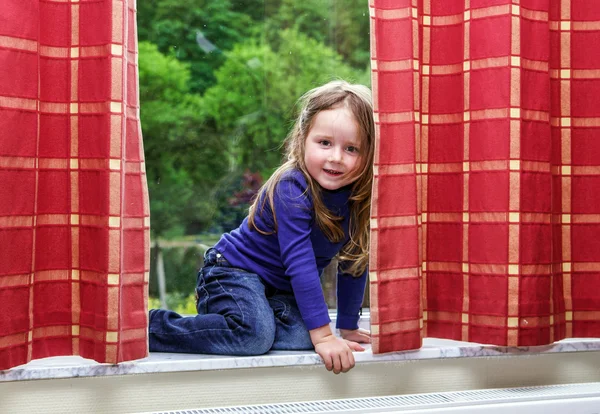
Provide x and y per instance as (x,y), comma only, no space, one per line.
(335,156)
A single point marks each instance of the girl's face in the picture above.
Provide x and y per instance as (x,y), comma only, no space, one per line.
(332,151)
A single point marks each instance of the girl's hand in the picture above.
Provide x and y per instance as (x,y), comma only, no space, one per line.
(335,352)
(362,336)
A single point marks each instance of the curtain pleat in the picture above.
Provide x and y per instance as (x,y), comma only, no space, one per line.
(486,209)
(74,212)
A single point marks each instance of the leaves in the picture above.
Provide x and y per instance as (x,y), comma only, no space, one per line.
(184,156)
(256,90)
(218,83)
(175,27)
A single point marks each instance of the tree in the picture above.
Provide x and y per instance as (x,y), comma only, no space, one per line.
(185,158)
(342,25)
(145,13)
(196,32)
(252,102)
(258,10)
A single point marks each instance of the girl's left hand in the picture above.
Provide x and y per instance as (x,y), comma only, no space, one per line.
(362,336)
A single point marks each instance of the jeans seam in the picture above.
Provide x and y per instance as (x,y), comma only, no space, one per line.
(195,331)
(202,290)
(232,296)
(285,307)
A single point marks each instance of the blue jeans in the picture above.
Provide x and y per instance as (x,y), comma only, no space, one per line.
(237,315)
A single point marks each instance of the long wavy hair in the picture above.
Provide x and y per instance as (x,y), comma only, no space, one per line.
(357,98)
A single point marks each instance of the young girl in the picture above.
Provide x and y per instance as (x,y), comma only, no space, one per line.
(260,287)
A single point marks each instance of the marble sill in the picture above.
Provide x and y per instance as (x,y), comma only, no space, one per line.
(433,348)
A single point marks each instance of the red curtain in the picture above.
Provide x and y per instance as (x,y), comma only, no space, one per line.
(74,216)
(486,212)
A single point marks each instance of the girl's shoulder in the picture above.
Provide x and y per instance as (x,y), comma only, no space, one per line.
(292,185)
(294,176)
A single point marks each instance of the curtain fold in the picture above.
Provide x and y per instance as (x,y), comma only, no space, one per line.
(74,212)
(486,208)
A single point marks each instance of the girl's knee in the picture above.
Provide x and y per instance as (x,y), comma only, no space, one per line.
(254,338)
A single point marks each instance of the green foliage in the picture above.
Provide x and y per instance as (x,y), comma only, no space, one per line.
(146,11)
(209,115)
(233,197)
(186,305)
(180,303)
(341,25)
(174,26)
(184,156)
(181,268)
(257,88)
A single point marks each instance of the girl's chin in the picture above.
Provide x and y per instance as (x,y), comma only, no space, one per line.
(332,185)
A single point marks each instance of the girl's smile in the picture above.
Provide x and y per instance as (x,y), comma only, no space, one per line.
(332,151)
(332,172)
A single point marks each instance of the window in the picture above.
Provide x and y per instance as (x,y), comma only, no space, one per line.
(218,82)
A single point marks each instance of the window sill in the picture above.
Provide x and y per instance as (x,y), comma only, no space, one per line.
(433,348)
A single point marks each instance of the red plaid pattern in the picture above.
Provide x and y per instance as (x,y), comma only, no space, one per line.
(74,215)
(486,210)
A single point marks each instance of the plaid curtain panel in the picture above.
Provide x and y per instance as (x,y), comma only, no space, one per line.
(74,215)
(486,212)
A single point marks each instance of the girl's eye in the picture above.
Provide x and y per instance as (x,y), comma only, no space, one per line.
(352,149)
(325,143)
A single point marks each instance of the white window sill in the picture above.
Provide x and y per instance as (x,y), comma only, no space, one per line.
(433,348)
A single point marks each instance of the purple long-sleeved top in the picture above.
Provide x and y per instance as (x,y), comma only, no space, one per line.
(293,258)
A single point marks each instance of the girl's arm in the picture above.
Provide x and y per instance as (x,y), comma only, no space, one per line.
(336,352)
(350,294)
(294,210)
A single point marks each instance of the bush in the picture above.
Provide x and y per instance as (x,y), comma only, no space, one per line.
(181,269)
(182,264)
(184,305)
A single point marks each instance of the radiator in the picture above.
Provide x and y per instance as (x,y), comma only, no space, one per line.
(581,398)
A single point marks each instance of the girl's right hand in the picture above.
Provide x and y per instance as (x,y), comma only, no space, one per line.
(335,352)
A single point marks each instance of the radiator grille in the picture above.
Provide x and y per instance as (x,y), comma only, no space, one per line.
(399,402)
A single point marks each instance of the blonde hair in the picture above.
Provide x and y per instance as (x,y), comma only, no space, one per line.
(356,98)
